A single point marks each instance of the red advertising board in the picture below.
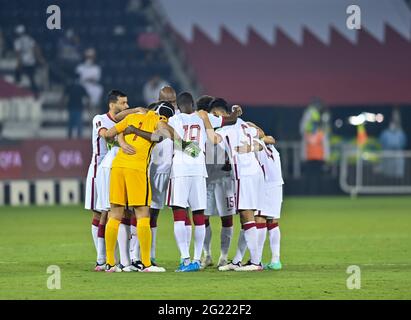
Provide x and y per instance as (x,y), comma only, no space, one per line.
(37,159)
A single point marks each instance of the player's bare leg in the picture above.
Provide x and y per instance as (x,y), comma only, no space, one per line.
(275,238)
(101,245)
(144,238)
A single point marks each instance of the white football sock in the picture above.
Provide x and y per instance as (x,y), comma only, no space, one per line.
(207,241)
(123,240)
(226,236)
(180,233)
(241,248)
(133,234)
(94,233)
(153,242)
(261,236)
(189,231)
(250,236)
(101,250)
(275,237)
(199,235)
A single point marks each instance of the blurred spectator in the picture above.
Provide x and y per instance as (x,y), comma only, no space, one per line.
(28,56)
(90,75)
(152,88)
(315,148)
(68,54)
(393,138)
(149,41)
(75,98)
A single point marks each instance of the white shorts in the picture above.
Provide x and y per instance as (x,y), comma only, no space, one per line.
(187,192)
(249,192)
(159,182)
(91,192)
(103,189)
(221,198)
(271,205)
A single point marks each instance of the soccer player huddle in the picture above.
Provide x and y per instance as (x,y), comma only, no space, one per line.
(198,158)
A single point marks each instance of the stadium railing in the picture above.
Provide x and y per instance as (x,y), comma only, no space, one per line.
(377,172)
(290,152)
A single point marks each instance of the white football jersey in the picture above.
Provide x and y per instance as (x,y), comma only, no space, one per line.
(243,164)
(162,157)
(269,159)
(191,127)
(99,145)
(109,157)
(216,161)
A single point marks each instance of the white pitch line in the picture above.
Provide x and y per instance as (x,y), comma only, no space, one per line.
(385,264)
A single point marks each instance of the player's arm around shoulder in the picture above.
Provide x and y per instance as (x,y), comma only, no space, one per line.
(164,130)
(118,127)
(237,111)
(121,115)
(214,137)
(269,140)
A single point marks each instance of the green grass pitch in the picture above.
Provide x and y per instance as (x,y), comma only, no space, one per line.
(321,237)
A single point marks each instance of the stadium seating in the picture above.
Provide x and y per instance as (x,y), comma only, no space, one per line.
(122,61)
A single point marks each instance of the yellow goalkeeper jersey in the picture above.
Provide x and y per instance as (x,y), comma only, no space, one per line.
(140,160)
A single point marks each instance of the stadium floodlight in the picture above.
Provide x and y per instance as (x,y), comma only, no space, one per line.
(379,117)
(357,120)
(365,117)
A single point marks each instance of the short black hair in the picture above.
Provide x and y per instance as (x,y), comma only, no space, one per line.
(203,102)
(152,105)
(218,103)
(113,95)
(165,108)
(185,101)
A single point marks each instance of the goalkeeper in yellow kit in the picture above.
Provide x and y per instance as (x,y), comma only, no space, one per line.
(130,182)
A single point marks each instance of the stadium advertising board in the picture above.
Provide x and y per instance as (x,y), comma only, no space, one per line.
(37,159)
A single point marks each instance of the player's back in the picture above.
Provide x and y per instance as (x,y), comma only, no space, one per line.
(269,159)
(236,135)
(139,160)
(191,128)
(216,162)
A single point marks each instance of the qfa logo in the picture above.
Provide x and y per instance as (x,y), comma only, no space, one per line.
(54,17)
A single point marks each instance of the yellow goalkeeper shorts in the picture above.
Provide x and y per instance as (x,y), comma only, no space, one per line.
(130,186)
